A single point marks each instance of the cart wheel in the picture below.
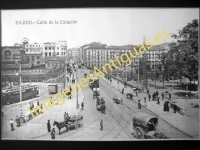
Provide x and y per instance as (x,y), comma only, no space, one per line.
(139,133)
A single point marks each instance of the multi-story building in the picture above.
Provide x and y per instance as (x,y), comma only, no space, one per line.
(60,48)
(35,53)
(74,52)
(11,54)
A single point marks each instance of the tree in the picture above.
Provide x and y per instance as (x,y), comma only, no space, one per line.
(185,51)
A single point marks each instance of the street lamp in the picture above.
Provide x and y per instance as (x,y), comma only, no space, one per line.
(20,90)
(172,83)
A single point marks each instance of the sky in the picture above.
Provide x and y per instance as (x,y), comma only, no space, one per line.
(110,26)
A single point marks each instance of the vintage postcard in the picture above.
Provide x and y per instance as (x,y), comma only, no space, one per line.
(100,74)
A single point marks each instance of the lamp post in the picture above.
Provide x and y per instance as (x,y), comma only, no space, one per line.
(172,83)
(138,71)
(20,90)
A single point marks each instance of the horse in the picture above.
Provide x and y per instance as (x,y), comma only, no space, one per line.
(60,125)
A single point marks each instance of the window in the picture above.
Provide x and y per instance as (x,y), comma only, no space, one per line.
(45,48)
(45,53)
(49,53)
(38,62)
(27,50)
(33,58)
(33,45)
(38,57)
(49,48)
(57,53)
(57,47)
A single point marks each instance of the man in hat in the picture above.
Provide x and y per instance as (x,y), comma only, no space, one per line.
(162,96)
(169,96)
(101,124)
(49,126)
(158,101)
(149,96)
(82,105)
(17,121)
(139,105)
(53,133)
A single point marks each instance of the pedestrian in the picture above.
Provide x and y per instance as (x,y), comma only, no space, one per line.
(48,126)
(157,93)
(70,89)
(38,103)
(186,97)
(110,80)
(11,124)
(158,101)
(82,105)
(65,116)
(147,91)
(175,108)
(122,90)
(136,93)
(101,124)
(145,102)
(139,105)
(169,96)
(163,96)
(53,133)
(18,121)
(149,96)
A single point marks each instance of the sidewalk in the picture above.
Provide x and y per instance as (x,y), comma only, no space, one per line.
(189,125)
(37,127)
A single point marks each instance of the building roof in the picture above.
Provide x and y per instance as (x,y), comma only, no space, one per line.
(15,66)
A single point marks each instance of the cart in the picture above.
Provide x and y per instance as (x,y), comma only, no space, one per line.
(178,108)
(75,121)
(145,127)
(116,99)
(129,96)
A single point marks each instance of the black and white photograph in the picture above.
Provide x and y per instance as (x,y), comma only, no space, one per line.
(100,74)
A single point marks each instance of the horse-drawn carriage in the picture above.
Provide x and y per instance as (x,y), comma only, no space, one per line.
(74,122)
(117,100)
(96,92)
(145,127)
(100,104)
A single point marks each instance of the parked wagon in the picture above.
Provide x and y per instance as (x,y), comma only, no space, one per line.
(117,100)
(129,96)
(178,108)
(145,127)
(96,92)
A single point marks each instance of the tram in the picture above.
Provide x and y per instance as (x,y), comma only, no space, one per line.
(95,82)
(10,96)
